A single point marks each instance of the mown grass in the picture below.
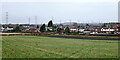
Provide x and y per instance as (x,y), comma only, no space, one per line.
(48,47)
(0,47)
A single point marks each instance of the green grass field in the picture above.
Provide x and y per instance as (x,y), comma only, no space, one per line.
(48,47)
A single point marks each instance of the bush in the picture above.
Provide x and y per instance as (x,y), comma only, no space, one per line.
(74,33)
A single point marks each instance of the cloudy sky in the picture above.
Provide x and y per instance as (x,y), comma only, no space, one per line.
(81,11)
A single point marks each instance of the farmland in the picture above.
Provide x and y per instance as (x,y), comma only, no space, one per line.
(49,47)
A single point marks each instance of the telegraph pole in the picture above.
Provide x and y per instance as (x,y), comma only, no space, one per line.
(6,17)
(29,20)
(60,21)
(70,22)
(35,20)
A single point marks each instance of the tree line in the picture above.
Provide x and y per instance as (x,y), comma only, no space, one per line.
(50,24)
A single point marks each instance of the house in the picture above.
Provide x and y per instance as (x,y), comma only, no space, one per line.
(74,29)
(96,29)
(48,28)
(9,28)
(81,29)
(1,29)
(32,30)
(6,29)
(107,30)
(87,32)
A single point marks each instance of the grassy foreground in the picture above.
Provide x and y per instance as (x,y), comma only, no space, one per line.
(48,47)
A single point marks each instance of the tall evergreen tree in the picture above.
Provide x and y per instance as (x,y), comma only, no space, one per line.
(50,23)
(42,29)
(37,26)
(67,30)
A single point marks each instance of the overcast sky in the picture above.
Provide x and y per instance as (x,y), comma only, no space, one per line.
(81,11)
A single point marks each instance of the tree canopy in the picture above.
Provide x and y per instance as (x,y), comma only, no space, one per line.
(87,24)
(59,30)
(17,28)
(104,25)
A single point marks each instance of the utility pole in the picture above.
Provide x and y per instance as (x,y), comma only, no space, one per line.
(6,17)
(78,22)
(29,20)
(35,20)
(60,21)
(70,22)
